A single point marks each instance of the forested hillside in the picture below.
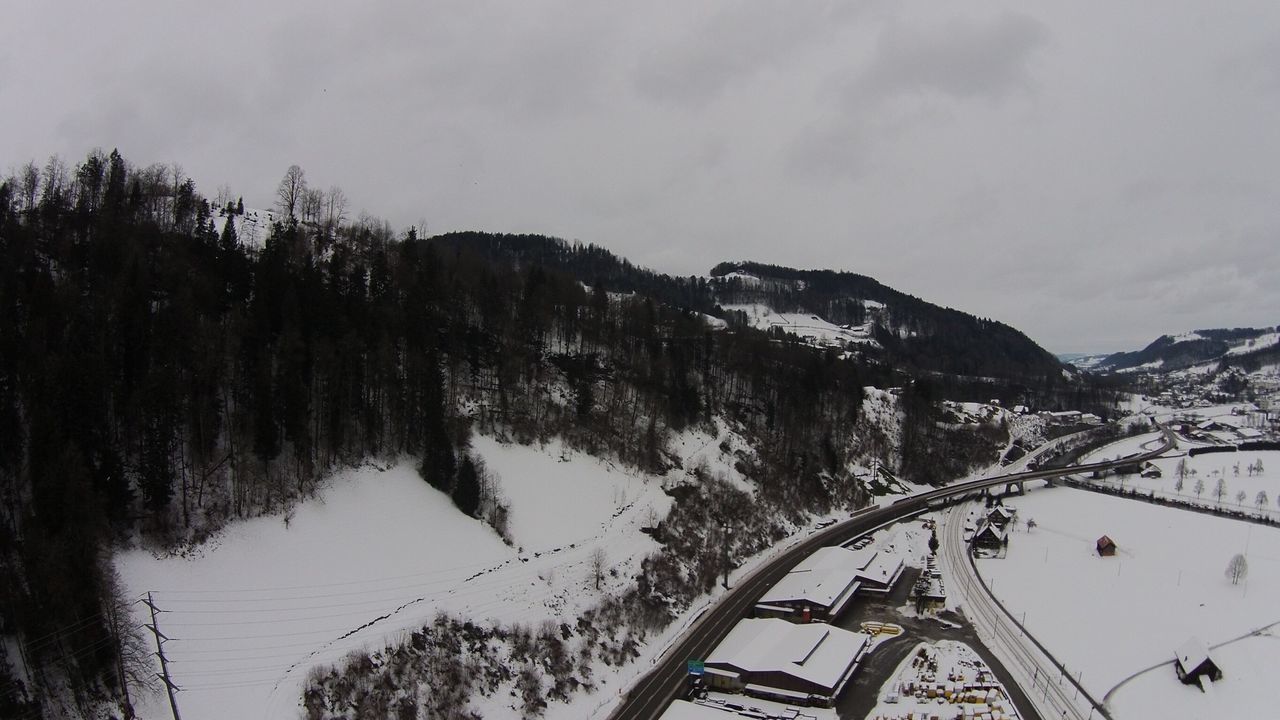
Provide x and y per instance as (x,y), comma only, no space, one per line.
(1244,347)
(917,334)
(158,378)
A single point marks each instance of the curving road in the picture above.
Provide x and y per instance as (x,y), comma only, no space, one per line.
(651,694)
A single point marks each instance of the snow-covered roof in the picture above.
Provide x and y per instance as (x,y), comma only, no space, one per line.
(685,710)
(830,588)
(1192,654)
(882,568)
(718,706)
(831,575)
(995,531)
(1002,512)
(818,653)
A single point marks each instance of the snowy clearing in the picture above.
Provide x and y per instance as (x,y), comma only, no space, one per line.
(806,325)
(380,553)
(1108,618)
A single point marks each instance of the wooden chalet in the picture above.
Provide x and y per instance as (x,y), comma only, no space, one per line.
(990,537)
(1106,546)
(1192,663)
(1000,515)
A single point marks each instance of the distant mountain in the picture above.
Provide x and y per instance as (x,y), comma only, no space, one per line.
(1084,361)
(1243,347)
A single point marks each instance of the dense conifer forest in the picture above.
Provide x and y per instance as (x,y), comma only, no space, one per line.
(158,378)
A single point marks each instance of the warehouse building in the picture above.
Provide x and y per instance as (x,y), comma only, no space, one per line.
(821,587)
(774,659)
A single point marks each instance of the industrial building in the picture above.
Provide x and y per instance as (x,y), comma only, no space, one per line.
(795,663)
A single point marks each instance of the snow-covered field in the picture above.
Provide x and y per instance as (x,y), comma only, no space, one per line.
(806,325)
(379,553)
(1205,472)
(1109,618)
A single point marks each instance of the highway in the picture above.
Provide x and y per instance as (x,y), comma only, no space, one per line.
(651,694)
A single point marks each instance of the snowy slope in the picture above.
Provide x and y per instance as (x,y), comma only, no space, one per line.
(377,554)
(252,228)
(807,325)
(1110,618)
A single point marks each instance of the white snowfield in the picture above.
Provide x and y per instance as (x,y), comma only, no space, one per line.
(1261,342)
(252,228)
(807,325)
(380,553)
(1108,619)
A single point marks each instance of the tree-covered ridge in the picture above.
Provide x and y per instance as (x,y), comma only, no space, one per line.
(923,336)
(920,335)
(1173,352)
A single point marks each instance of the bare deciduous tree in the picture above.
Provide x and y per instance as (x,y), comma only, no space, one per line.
(1237,569)
(290,190)
(335,208)
(29,185)
(310,204)
(598,562)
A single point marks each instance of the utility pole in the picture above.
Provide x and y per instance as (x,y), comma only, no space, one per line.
(164,662)
(724,543)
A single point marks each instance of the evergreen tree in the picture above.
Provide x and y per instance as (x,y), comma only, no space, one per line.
(466,491)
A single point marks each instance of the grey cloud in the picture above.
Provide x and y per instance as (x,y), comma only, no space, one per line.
(961,58)
(835,150)
(733,45)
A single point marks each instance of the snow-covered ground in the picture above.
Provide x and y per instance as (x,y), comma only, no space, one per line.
(946,680)
(1261,342)
(806,325)
(380,553)
(1109,618)
(1203,472)
(722,706)
(252,228)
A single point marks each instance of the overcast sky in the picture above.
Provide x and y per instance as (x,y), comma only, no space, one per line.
(1093,173)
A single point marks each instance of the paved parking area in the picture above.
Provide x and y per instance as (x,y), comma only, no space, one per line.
(861,695)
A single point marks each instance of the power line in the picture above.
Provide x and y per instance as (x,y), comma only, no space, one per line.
(154,627)
(366,581)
